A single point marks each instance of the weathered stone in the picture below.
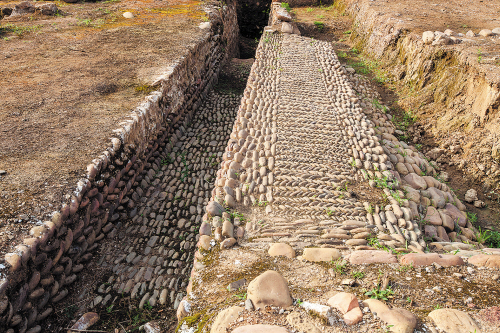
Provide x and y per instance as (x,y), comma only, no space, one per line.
(456,215)
(283,15)
(183,309)
(286,28)
(344,302)
(48,9)
(236,285)
(224,318)
(453,321)
(214,209)
(353,317)
(320,254)
(430,231)
(152,327)
(485,260)
(427,259)
(471,195)
(435,153)
(205,242)
(372,257)
(269,288)
(227,243)
(260,328)
(432,216)
(401,320)
(415,181)
(401,168)
(428,37)
(281,249)
(85,321)
(24,7)
(485,32)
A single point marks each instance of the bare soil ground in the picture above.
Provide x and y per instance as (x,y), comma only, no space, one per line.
(413,288)
(66,81)
(329,23)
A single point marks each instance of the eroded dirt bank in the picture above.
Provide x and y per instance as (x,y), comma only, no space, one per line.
(451,90)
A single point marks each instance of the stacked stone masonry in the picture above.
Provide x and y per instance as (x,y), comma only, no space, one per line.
(37,274)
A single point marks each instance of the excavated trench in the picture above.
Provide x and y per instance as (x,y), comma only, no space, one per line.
(140,271)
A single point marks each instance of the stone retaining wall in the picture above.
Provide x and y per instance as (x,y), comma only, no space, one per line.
(37,273)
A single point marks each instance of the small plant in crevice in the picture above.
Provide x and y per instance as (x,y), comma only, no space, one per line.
(329,211)
(241,296)
(339,265)
(358,275)
(482,236)
(286,5)
(405,268)
(377,293)
(319,25)
(472,217)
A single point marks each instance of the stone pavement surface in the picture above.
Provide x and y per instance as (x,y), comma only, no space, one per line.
(298,172)
(302,135)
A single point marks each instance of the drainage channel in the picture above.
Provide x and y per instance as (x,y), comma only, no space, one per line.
(141,272)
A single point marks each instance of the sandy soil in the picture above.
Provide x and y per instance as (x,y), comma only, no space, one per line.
(66,81)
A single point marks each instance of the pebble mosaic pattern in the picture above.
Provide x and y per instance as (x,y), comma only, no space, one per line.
(152,260)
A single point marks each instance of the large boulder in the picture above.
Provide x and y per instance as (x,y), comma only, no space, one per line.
(269,288)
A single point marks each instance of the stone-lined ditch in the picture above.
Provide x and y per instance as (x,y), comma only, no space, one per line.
(146,266)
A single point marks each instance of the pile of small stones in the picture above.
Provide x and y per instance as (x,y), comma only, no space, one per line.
(450,37)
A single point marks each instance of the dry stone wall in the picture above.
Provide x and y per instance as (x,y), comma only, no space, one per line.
(38,273)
